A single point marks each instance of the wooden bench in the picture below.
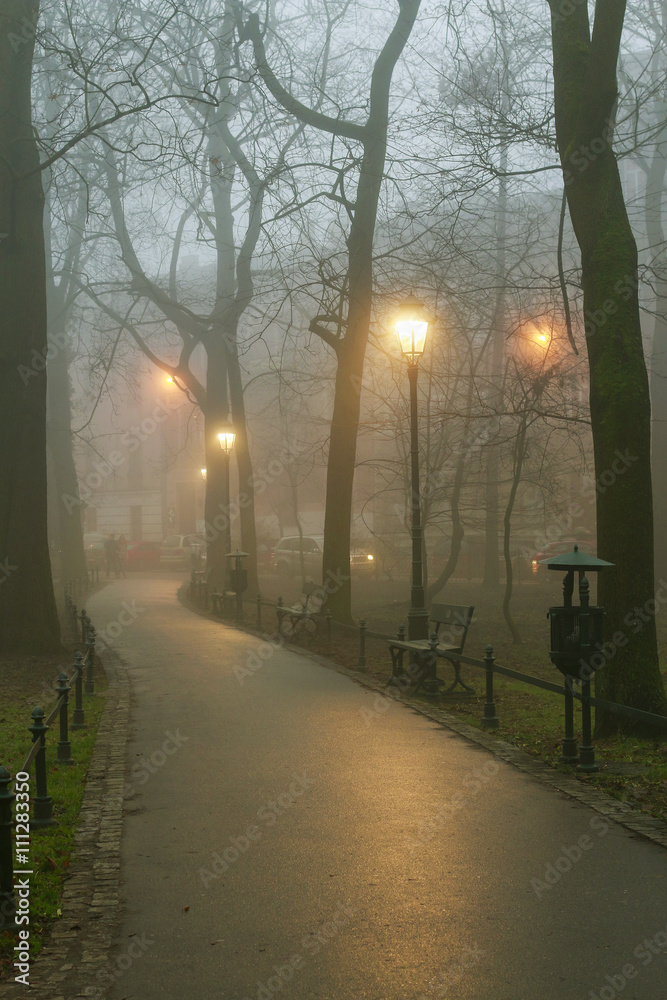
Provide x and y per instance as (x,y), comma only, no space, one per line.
(300,615)
(451,623)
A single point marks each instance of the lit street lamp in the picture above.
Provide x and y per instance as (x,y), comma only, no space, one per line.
(227,437)
(411,328)
(203,474)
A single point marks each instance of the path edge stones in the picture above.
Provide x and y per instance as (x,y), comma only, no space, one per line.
(75,959)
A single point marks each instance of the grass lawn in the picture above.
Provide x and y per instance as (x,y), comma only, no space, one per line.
(24,683)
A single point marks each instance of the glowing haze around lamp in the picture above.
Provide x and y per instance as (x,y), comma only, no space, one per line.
(226,437)
(411,326)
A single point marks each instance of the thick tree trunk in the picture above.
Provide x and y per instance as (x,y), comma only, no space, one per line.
(217,511)
(586,92)
(67,502)
(491,577)
(28,618)
(340,474)
(655,188)
(246,497)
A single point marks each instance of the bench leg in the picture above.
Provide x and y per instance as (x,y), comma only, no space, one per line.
(397,671)
(428,676)
(459,680)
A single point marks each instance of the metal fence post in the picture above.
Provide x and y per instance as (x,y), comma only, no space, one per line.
(569,754)
(259,612)
(64,752)
(79,717)
(90,661)
(586,750)
(83,618)
(42,801)
(489,719)
(7,900)
(362,644)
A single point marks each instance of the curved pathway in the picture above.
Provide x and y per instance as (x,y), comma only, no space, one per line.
(290,833)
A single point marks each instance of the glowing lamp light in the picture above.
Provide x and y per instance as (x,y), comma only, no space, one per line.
(170,379)
(226,437)
(542,338)
(203,474)
(369,557)
(411,328)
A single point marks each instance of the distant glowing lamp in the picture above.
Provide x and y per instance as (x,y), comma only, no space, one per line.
(226,437)
(203,474)
(411,328)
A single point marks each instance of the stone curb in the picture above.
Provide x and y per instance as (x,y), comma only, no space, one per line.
(78,946)
(620,812)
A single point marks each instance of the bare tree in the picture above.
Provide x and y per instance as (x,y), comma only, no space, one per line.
(584,66)
(344,324)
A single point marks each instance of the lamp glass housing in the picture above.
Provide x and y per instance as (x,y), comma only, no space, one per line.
(411,328)
(226,437)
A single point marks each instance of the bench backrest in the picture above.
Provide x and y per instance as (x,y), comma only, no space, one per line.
(452,622)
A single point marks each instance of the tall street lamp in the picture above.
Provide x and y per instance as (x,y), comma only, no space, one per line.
(226,437)
(411,327)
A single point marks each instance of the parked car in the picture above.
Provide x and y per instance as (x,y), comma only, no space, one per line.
(286,556)
(143,555)
(287,563)
(176,551)
(93,550)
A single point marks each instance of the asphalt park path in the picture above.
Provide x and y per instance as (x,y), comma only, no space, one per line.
(284,839)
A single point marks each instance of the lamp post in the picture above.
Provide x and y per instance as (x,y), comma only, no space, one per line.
(411,328)
(226,437)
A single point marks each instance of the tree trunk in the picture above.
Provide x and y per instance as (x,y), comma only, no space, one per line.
(65,484)
(655,187)
(491,577)
(519,455)
(246,498)
(217,508)
(340,475)
(28,618)
(351,347)
(457,527)
(585,95)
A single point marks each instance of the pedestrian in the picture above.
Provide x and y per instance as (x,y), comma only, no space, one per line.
(111,552)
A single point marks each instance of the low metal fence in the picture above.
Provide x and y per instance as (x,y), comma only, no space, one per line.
(42,803)
(299,621)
